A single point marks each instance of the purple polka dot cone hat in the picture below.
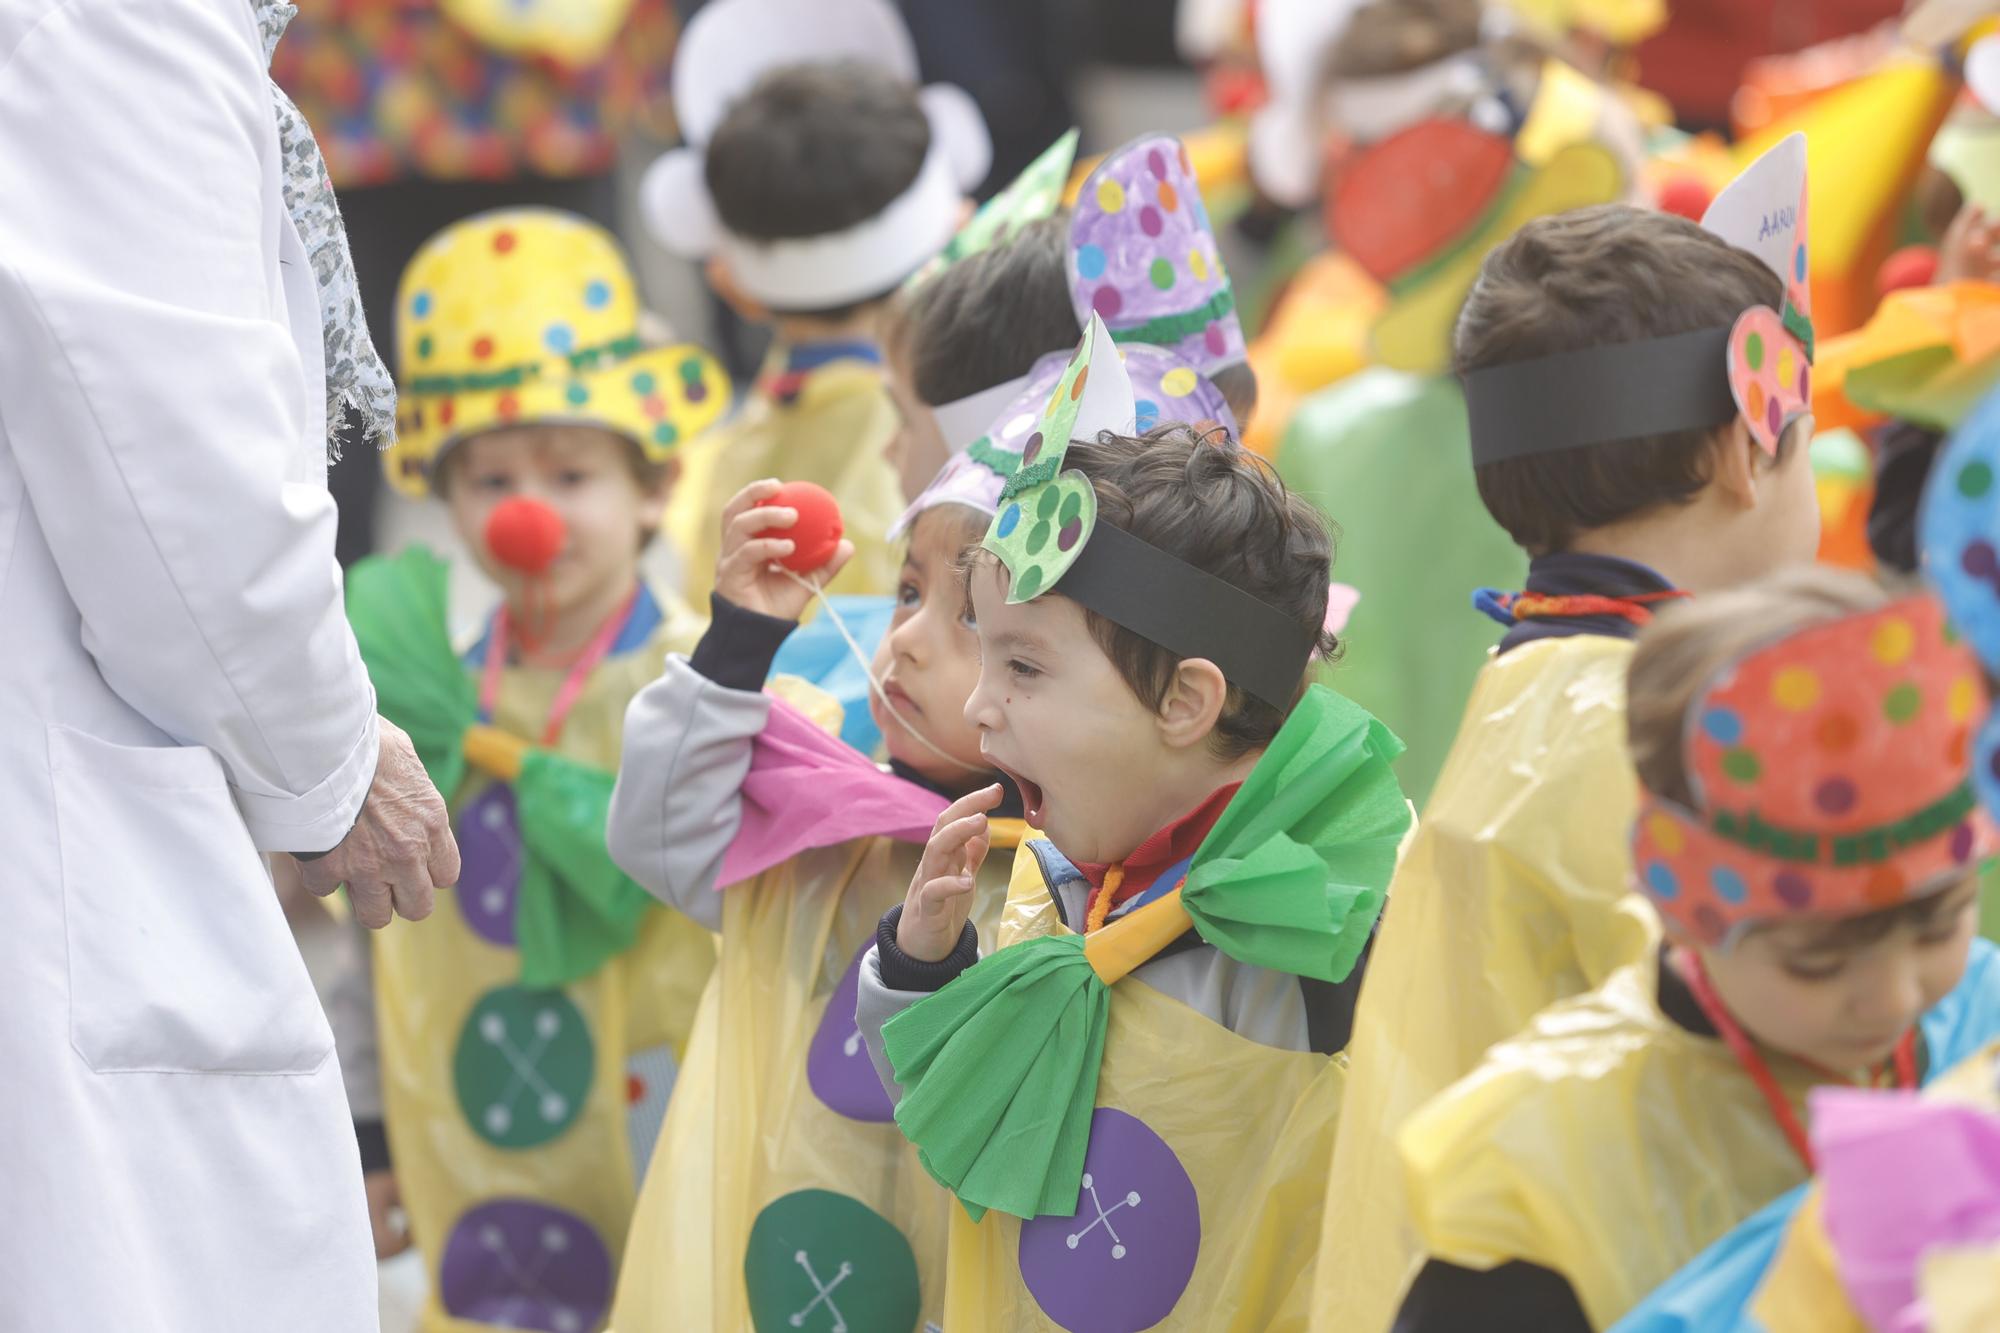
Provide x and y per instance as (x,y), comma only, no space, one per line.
(1830,770)
(1143,256)
(531,315)
(1164,389)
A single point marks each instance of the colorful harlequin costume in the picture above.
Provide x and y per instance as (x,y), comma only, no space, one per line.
(1830,778)
(1513,893)
(529,1029)
(475,89)
(819,412)
(1075,1114)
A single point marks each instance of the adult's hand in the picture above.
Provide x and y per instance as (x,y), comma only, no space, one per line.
(400,849)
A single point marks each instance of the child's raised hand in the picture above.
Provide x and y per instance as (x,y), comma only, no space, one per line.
(746,571)
(940,897)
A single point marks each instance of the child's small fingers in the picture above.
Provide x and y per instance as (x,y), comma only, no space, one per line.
(747,525)
(946,850)
(749,498)
(977,802)
(938,895)
(768,550)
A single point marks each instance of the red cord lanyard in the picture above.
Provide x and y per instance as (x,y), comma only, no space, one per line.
(1903,1063)
(573,683)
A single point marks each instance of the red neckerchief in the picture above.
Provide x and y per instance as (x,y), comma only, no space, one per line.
(1168,848)
(1903,1064)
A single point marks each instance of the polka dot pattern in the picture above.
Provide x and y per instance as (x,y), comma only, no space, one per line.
(1142,256)
(528,314)
(1828,772)
(1767,374)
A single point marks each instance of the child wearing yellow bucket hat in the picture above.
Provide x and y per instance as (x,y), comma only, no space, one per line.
(529,1030)
(1808,831)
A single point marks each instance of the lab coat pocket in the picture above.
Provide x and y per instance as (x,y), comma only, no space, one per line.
(179,957)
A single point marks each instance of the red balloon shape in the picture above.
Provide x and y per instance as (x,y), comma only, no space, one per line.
(525,534)
(816,536)
(1686,196)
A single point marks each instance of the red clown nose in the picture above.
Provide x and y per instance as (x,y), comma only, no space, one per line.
(816,536)
(525,534)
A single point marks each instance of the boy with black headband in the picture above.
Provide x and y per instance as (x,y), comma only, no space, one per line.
(1636,391)
(1147,608)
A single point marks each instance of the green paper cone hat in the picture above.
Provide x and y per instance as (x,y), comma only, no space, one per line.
(1000,1067)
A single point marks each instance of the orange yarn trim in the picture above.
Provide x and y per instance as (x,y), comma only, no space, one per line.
(1100,902)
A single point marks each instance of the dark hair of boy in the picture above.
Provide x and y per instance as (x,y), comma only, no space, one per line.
(1211,504)
(816,149)
(989,317)
(1597,277)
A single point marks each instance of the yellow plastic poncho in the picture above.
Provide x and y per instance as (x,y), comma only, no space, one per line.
(780,1141)
(1510,897)
(520,1119)
(835,431)
(1202,1188)
(1605,1142)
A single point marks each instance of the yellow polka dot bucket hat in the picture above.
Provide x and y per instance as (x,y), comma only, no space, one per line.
(530,315)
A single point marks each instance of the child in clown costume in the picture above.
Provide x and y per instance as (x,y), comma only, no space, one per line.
(816,178)
(779,1129)
(1622,442)
(1809,835)
(529,1029)
(1146,1152)
(1956,530)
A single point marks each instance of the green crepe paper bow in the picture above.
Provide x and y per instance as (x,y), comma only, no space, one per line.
(1046,515)
(575,908)
(397,608)
(1000,1067)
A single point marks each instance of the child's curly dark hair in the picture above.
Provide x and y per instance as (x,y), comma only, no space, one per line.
(1203,499)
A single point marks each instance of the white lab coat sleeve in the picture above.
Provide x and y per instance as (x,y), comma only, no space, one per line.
(156,401)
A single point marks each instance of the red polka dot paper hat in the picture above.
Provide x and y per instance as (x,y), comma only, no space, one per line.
(1143,258)
(1830,771)
(531,315)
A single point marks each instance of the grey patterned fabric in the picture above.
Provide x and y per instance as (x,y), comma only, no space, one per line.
(355,375)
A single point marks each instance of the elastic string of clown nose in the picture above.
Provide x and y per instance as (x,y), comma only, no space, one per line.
(868,671)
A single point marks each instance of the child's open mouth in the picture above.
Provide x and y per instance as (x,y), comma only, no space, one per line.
(1034,806)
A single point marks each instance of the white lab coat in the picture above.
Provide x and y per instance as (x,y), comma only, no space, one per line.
(178,692)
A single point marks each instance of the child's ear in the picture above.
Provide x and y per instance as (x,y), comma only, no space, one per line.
(722,278)
(660,482)
(1738,460)
(1194,703)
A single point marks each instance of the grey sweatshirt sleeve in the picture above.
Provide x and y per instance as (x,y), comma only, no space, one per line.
(874,1005)
(678,802)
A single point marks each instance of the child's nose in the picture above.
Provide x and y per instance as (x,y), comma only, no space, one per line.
(981,710)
